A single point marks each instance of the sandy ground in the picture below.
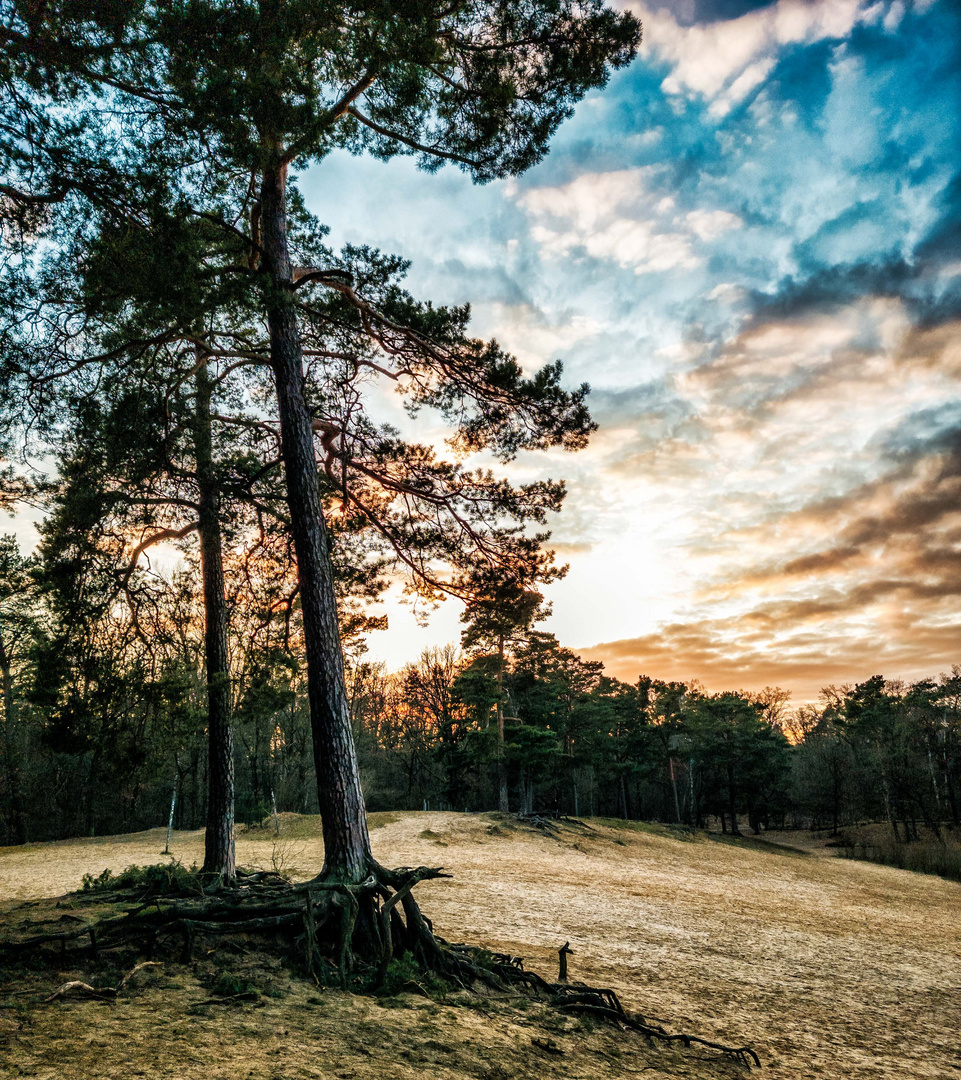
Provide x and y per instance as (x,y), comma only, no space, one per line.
(828,968)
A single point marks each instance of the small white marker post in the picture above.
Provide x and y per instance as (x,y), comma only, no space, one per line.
(170,822)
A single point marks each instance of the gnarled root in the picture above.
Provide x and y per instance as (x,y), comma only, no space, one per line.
(343,933)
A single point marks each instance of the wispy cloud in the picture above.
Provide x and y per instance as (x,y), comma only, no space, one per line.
(750,245)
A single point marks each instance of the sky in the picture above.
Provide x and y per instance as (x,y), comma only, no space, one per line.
(749,244)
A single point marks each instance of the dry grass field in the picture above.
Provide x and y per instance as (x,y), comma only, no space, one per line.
(829,968)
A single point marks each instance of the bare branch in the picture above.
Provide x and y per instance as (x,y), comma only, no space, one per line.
(434,151)
(155,538)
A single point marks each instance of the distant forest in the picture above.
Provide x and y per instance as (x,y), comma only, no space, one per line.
(105,712)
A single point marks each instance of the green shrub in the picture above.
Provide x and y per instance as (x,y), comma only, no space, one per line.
(159,879)
(405,974)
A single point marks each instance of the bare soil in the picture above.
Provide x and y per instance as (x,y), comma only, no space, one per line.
(829,968)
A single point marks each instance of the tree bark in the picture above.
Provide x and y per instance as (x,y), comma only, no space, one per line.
(677,801)
(346,842)
(219,851)
(503,800)
(18,831)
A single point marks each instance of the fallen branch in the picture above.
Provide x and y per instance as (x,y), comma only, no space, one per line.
(99,993)
(134,971)
(102,993)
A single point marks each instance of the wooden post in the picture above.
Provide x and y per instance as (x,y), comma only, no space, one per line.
(562,954)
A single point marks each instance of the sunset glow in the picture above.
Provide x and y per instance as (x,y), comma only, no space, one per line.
(748,245)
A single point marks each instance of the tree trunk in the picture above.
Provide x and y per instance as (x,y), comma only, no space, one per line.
(952,793)
(677,801)
(93,777)
(503,802)
(934,783)
(888,804)
(219,853)
(18,831)
(732,801)
(836,781)
(346,842)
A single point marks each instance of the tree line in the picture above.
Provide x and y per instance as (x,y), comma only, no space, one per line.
(103,729)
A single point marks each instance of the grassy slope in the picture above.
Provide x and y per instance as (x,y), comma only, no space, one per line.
(831,968)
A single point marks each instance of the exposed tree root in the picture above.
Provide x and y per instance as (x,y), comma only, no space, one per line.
(99,993)
(341,934)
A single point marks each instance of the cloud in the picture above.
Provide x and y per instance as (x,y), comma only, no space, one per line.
(749,245)
(608,216)
(708,225)
(725,58)
(688,12)
(899,528)
(726,655)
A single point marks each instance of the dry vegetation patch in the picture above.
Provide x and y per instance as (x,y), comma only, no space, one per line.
(830,968)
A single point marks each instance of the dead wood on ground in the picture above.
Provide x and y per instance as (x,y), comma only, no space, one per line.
(339,934)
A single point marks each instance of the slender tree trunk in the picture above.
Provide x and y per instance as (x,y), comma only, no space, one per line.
(255,766)
(677,801)
(888,805)
(170,820)
(346,842)
(934,784)
(195,763)
(732,801)
(522,794)
(93,778)
(219,852)
(952,793)
(503,802)
(18,831)
(735,827)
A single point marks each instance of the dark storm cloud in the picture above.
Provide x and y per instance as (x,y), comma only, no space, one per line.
(828,288)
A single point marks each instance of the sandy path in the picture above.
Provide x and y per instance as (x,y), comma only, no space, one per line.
(830,968)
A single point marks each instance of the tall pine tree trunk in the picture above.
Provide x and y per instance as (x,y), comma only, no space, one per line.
(344,816)
(11,756)
(503,802)
(219,851)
